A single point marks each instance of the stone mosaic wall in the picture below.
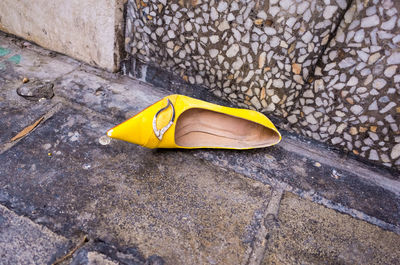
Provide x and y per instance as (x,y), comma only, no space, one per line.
(329,68)
(357,92)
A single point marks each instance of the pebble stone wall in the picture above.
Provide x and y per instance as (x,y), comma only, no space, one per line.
(328,67)
(358,85)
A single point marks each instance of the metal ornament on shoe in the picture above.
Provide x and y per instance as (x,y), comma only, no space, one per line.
(159,133)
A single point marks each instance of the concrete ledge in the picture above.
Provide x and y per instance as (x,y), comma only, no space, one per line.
(86,30)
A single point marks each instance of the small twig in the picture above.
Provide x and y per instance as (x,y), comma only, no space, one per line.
(27,130)
(70,253)
(6,146)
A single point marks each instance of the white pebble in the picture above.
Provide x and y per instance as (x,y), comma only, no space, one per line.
(373,58)
(371,21)
(104,140)
(373,106)
(356,109)
(310,119)
(256,102)
(278,83)
(249,76)
(214,14)
(379,83)
(262,15)
(390,71)
(302,7)
(329,11)
(171,34)
(359,36)
(286,4)
(233,50)
(307,37)
(274,41)
(188,26)
(394,58)
(363,56)
(269,31)
(213,53)
(373,155)
(290,22)
(387,107)
(395,151)
(389,25)
(275,99)
(347,62)
(222,6)
(342,3)
(274,10)
(223,26)
(371,11)
(353,81)
(214,38)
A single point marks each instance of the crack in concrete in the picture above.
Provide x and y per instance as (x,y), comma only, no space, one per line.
(269,225)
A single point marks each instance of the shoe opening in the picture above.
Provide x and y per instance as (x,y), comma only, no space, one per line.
(206,128)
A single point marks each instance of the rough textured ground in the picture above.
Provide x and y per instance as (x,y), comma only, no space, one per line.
(65,180)
(310,234)
(23,242)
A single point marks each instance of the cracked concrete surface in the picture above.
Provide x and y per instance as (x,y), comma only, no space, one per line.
(140,206)
(313,234)
(267,228)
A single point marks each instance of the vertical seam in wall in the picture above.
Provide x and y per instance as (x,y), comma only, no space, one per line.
(314,66)
(119,31)
(332,35)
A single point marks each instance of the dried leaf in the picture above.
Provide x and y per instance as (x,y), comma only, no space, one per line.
(26,130)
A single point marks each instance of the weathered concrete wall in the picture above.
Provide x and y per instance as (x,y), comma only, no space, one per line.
(328,68)
(89,30)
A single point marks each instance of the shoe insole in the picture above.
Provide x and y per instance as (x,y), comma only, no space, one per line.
(199,127)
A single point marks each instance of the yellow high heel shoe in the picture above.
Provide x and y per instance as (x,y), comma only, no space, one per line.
(179,121)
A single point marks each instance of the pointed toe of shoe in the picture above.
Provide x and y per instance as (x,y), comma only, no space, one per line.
(147,127)
(129,131)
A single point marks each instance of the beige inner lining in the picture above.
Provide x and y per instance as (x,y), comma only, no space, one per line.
(199,127)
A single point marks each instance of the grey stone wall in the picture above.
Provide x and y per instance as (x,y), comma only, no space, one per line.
(328,68)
